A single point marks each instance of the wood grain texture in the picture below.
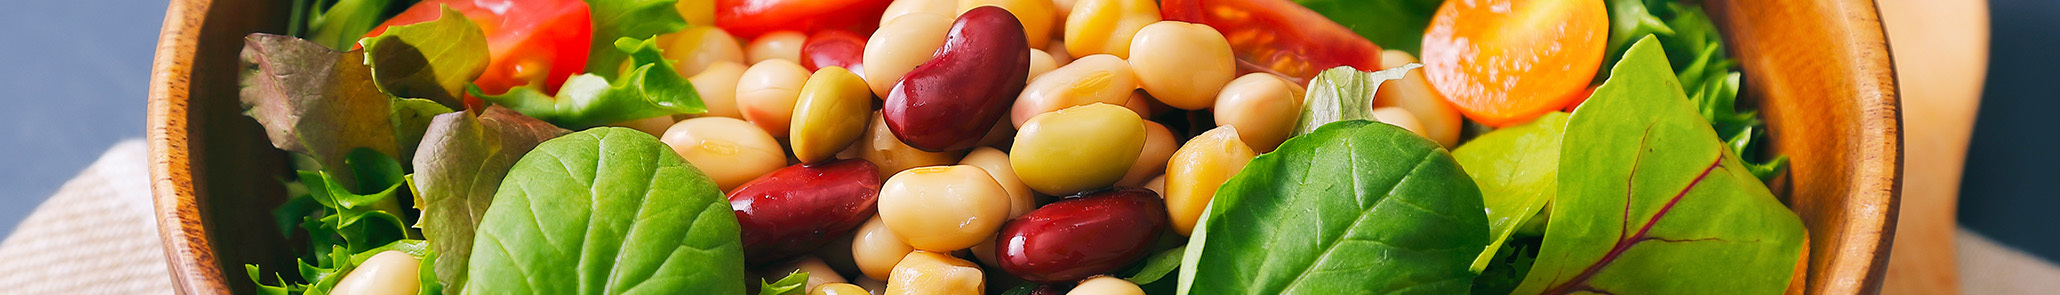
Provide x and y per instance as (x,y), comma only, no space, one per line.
(1941,56)
(1820,69)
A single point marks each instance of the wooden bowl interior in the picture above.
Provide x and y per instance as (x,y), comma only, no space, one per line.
(1818,68)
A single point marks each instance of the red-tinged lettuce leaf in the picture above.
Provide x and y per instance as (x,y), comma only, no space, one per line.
(315,101)
(634,19)
(431,60)
(1652,202)
(1356,207)
(463,159)
(648,88)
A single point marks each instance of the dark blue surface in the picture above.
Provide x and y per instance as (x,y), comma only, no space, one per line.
(73,77)
(2007,191)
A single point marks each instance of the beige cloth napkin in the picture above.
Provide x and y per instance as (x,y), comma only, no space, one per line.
(98,235)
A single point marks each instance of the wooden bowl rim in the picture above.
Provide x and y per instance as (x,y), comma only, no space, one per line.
(195,269)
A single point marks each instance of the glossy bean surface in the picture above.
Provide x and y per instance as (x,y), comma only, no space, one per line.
(1159,144)
(784,45)
(1441,122)
(931,273)
(717,86)
(1263,106)
(1097,78)
(819,272)
(834,48)
(1182,64)
(1106,26)
(387,273)
(1083,236)
(1038,16)
(876,249)
(948,103)
(1106,285)
(943,208)
(730,151)
(944,8)
(879,146)
(901,45)
(766,94)
(695,48)
(837,289)
(1077,149)
(799,208)
(1198,169)
(830,114)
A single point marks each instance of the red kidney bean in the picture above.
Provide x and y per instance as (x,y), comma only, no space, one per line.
(833,48)
(1080,237)
(796,209)
(951,101)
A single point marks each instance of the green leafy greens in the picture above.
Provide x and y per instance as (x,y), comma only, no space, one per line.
(1648,195)
(1355,207)
(606,211)
(432,60)
(634,19)
(348,224)
(464,157)
(1696,50)
(650,88)
(340,23)
(1517,169)
(1392,24)
(796,283)
(1343,94)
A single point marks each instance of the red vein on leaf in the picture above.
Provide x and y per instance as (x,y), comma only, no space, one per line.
(1580,281)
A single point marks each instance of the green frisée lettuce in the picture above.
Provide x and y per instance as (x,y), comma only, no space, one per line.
(433,60)
(649,88)
(463,159)
(1649,195)
(1356,207)
(1710,77)
(1517,169)
(346,225)
(634,19)
(795,283)
(606,211)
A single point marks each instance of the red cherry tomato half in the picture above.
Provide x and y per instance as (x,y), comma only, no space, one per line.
(531,42)
(1278,36)
(833,48)
(749,18)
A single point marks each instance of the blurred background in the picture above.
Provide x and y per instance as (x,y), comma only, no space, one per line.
(76,73)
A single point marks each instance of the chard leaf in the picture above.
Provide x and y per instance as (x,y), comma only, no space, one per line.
(1517,169)
(1392,24)
(464,157)
(315,101)
(1343,94)
(795,283)
(1648,196)
(606,211)
(634,19)
(1356,207)
(650,88)
(432,60)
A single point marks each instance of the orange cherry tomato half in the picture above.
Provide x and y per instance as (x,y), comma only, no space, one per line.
(1278,36)
(530,42)
(1504,62)
(749,18)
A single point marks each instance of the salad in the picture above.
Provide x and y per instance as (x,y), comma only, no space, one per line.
(1016,147)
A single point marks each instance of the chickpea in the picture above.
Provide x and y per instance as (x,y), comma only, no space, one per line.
(1182,64)
(696,48)
(1106,26)
(730,151)
(876,249)
(837,289)
(819,273)
(697,12)
(1440,122)
(830,114)
(996,164)
(1096,78)
(387,273)
(932,273)
(943,208)
(766,94)
(945,8)
(891,156)
(1059,56)
(1157,184)
(1159,144)
(783,45)
(1050,158)
(718,88)
(1139,102)
(1038,16)
(1197,169)
(871,285)
(901,45)
(1106,285)
(1040,63)
(1263,106)
(653,125)
(1400,118)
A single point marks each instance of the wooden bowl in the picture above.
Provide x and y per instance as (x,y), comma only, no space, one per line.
(1818,68)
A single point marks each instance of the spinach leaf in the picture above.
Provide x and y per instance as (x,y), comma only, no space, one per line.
(606,211)
(1343,94)
(649,89)
(634,19)
(795,283)
(315,101)
(1648,196)
(432,60)
(1356,207)
(1517,169)
(1392,24)
(464,157)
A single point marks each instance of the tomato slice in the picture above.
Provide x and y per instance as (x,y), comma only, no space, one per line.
(749,18)
(531,42)
(1279,36)
(1504,62)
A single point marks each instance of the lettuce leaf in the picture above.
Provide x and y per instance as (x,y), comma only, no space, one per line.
(1517,169)
(433,60)
(1392,24)
(464,157)
(339,25)
(351,225)
(650,88)
(634,19)
(1343,94)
